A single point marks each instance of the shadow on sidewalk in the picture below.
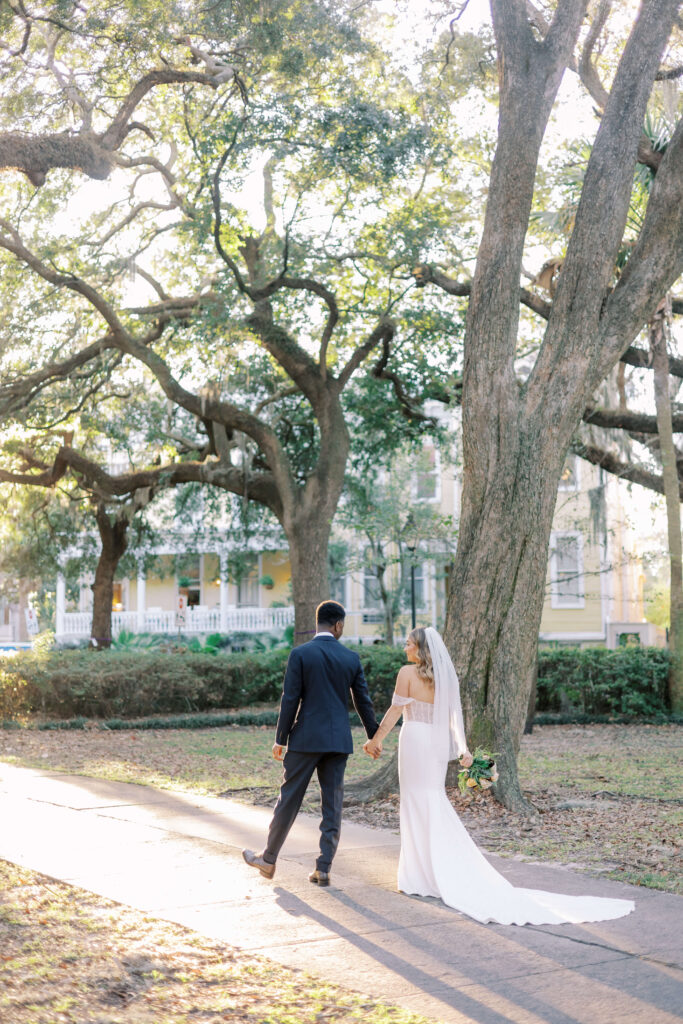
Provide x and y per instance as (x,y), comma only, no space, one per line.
(495,974)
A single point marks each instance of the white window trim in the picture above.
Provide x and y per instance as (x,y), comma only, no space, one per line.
(437,475)
(555,602)
(252,579)
(572,488)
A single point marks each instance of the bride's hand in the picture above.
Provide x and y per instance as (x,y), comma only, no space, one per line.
(372,749)
(466,759)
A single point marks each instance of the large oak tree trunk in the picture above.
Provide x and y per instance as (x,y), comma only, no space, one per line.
(515,438)
(382,782)
(307,518)
(308,544)
(496,600)
(114,537)
(673,504)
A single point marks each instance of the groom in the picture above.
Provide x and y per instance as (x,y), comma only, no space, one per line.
(314,727)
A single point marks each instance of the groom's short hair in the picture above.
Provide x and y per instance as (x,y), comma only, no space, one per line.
(329,613)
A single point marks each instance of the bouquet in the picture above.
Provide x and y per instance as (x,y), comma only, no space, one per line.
(481,774)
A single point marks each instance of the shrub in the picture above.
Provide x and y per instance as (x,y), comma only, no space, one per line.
(106,684)
(123,684)
(73,684)
(380,665)
(196,721)
(629,681)
(14,699)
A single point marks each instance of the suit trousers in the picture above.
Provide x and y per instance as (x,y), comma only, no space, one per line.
(298,769)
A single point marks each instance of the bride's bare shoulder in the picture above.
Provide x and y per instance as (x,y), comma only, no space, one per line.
(406,671)
(407,674)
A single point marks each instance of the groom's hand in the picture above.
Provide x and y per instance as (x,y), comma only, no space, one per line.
(372,749)
(278,751)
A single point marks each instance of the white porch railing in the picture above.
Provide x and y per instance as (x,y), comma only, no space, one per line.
(243,620)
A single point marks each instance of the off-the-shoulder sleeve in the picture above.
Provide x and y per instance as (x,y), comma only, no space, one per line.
(400,701)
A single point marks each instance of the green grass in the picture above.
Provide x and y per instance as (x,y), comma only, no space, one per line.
(208,761)
(646,774)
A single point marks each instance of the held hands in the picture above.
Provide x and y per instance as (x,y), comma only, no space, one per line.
(278,751)
(373,748)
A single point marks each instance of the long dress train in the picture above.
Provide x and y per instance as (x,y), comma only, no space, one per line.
(438,857)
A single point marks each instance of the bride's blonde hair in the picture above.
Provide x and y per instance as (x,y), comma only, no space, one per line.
(424,656)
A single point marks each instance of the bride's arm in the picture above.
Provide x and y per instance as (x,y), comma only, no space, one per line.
(402,690)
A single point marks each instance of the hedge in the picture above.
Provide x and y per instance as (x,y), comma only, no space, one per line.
(78,684)
(594,681)
(74,684)
(109,684)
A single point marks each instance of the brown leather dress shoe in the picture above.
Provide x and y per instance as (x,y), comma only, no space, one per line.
(255,860)
(319,877)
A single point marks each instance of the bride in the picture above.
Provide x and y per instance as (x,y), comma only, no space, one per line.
(438,857)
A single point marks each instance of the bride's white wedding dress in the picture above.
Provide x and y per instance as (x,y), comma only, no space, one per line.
(438,857)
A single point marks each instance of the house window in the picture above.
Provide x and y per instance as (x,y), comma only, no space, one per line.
(426,483)
(371,594)
(189,579)
(247,591)
(566,571)
(338,588)
(117,604)
(569,477)
(337,560)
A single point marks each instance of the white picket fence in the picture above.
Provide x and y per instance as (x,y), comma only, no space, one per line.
(204,620)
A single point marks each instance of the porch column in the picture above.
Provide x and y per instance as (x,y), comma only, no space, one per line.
(141,602)
(60,621)
(223,593)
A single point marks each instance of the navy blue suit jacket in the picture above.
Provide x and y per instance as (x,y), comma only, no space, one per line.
(314,710)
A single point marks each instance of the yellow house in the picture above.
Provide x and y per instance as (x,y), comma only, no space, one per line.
(594,583)
(593,586)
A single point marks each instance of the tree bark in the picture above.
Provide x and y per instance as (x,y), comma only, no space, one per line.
(660,355)
(515,439)
(496,600)
(114,537)
(381,782)
(308,541)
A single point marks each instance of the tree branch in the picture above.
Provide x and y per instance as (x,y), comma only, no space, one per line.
(385,331)
(426,273)
(656,261)
(642,358)
(106,486)
(617,419)
(87,151)
(409,406)
(626,471)
(16,394)
(569,345)
(15,245)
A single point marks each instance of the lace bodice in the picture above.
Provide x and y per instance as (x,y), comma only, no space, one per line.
(414,710)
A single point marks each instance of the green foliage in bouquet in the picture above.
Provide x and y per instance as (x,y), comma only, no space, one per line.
(481,774)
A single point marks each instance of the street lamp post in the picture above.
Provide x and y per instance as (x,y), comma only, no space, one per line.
(410,532)
(412,587)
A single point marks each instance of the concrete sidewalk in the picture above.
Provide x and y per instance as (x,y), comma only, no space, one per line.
(178,857)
